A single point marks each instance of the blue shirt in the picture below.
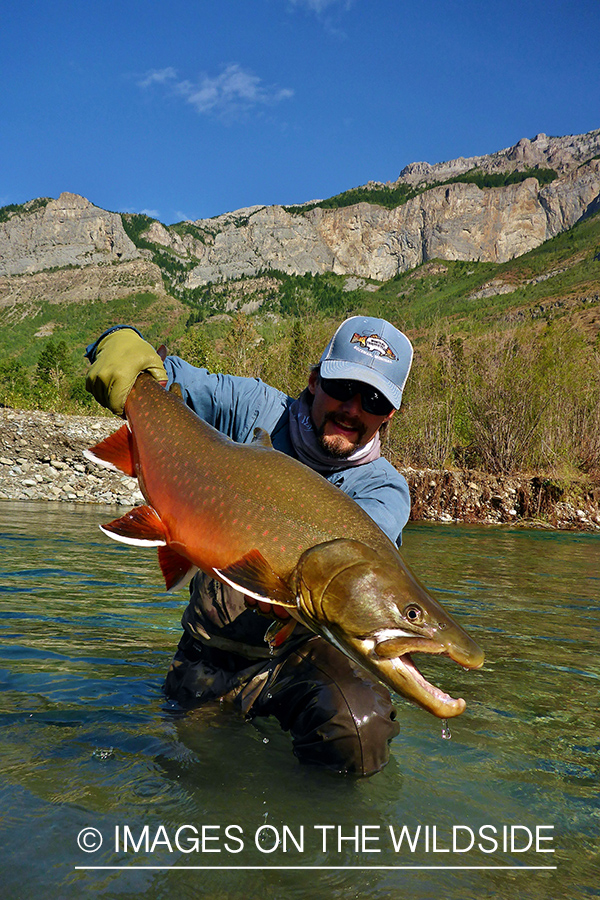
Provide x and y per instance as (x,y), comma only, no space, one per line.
(236,406)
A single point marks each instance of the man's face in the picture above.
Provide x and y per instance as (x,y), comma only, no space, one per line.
(341,426)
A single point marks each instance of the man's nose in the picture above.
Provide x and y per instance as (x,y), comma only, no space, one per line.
(353,405)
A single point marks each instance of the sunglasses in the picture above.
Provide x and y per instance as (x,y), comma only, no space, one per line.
(371,399)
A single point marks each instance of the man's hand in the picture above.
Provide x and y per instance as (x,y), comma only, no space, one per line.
(120,357)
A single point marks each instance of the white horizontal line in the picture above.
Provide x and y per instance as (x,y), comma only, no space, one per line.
(312,868)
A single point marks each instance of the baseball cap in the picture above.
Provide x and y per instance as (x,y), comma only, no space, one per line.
(371,351)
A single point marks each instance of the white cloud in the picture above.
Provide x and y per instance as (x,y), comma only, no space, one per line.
(321,6)
(152,213)
(235,91)
(157,76)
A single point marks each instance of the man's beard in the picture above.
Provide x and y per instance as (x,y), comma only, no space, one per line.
(336,445)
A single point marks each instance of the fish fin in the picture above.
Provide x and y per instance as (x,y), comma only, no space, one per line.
(162,352)
(116,452)
(278,632)
(176,568)
(141,526)
(262,438)
(253,576)
(176,389)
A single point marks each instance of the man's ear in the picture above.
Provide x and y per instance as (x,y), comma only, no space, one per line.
(313,380)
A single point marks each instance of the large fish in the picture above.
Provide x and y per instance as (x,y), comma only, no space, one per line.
(267,525)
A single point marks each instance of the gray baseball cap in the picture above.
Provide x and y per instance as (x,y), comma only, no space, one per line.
(371,351)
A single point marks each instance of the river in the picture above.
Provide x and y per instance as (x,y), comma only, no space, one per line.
(208,805)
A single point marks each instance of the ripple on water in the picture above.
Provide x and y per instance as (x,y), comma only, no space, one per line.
(86,636)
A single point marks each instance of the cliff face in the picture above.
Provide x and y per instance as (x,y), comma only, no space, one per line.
(267,238)
(454,222)
(458,221)
(563,154)
(69,231)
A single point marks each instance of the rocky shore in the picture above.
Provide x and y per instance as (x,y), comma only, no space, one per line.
(41,458)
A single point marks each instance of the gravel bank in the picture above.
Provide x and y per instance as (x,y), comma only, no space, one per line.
(41,458)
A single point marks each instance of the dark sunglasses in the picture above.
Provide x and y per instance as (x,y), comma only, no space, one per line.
(372,400)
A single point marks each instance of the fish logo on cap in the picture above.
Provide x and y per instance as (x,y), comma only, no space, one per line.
(374,343)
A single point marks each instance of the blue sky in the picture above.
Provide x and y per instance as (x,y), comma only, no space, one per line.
(191,108)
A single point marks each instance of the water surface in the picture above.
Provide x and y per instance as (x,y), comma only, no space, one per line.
(88,741)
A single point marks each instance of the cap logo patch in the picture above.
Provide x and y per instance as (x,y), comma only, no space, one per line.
(374,344)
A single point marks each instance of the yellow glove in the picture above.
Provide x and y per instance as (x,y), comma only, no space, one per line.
(120,357)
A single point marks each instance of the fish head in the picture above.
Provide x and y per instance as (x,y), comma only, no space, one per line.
(373,608)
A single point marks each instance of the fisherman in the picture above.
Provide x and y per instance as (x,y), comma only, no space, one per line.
(338,715)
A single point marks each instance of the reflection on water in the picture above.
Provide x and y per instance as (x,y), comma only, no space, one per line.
(87,740)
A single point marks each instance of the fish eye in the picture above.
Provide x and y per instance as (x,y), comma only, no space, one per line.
(414,614)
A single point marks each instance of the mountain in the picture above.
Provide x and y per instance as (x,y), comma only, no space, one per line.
(490,264)
(68,268)
(449,211)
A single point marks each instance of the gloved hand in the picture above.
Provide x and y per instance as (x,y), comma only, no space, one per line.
(120,357)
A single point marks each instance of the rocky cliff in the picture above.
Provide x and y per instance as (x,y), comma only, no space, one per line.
(457,221)
(69,231)
(563,154)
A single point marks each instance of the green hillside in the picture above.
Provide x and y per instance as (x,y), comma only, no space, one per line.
(507,357)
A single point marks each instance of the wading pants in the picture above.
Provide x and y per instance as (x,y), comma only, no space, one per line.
(338,715)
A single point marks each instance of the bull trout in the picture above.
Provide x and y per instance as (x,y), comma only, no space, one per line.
(272,528)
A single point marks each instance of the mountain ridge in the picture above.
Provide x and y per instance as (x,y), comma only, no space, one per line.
(450,221)
(560,153)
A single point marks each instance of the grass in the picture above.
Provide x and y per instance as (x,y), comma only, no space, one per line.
(80,323)
(427,295)
(391,197)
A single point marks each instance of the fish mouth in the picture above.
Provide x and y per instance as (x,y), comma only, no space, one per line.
(427,695)
(390,653)
(399,672)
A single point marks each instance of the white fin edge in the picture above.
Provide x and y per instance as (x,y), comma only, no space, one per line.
(135,542)
(185,580)
(101,462)
(244,590)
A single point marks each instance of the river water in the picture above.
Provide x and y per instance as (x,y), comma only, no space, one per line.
(207,805)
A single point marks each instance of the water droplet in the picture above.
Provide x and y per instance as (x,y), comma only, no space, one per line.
(265,740)
(446,733)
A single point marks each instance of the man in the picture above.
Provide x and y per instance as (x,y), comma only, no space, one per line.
(339,716)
